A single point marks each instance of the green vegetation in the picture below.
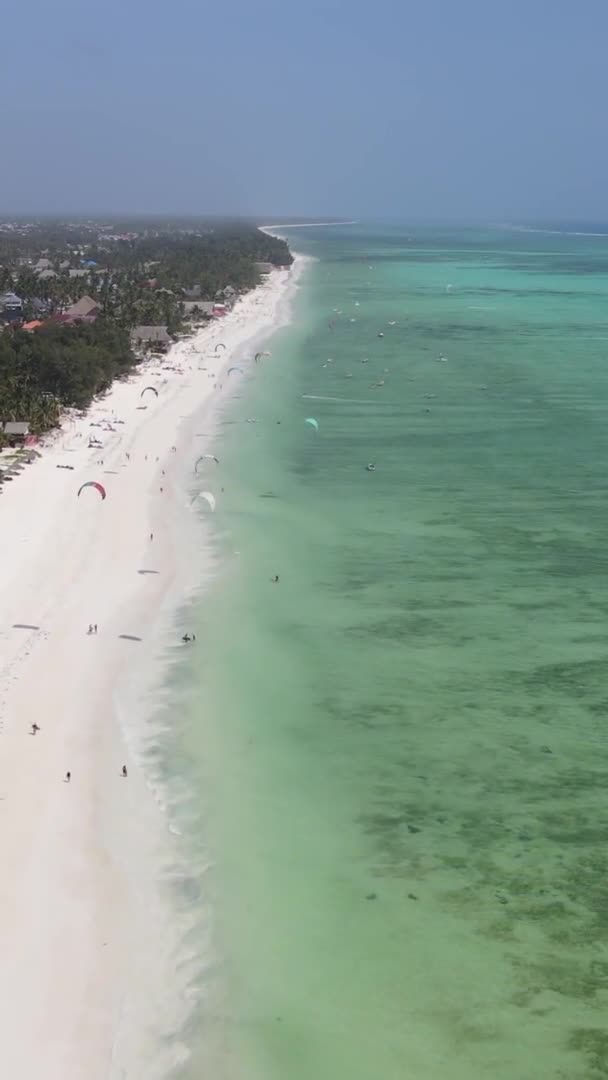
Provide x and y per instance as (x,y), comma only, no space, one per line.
(59,366)
(138,273)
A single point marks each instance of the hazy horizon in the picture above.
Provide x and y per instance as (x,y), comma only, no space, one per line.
(101,217)
(408,112)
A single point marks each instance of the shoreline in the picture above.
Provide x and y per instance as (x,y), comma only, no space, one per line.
(305,225)
(81,904)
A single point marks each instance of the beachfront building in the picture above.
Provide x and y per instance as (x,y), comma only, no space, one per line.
(86,309)
(202,309)
(40,306)
(226,298)
(151,337)
(16,431)
(11,307)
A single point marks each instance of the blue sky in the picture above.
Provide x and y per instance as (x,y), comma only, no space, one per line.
(464,109)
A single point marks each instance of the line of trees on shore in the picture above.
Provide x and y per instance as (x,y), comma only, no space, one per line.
(122,269)
(136,280)
(58,367)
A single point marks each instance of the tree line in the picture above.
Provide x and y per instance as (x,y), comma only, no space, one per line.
(60,366)
(137,281)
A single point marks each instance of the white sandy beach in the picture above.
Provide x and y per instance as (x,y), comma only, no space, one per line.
(78,914)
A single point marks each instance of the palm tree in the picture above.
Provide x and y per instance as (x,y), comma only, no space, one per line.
(44,413)
(11,398)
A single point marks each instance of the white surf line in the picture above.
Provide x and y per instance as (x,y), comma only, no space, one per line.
(307,225)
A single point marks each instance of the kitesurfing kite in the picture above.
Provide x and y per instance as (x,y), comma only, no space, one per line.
(235,368)
(260,354)
(93,483)
(313,423)
(146,388)
(220,345)
(203,457)
(209,498)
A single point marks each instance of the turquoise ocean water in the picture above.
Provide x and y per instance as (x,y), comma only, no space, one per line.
(398,752)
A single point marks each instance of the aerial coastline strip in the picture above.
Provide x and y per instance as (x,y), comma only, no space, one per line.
(79,948)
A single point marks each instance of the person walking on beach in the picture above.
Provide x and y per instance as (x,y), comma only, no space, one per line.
(35,728)
(151,536)
(68,777)
(124,770)
(95,628)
